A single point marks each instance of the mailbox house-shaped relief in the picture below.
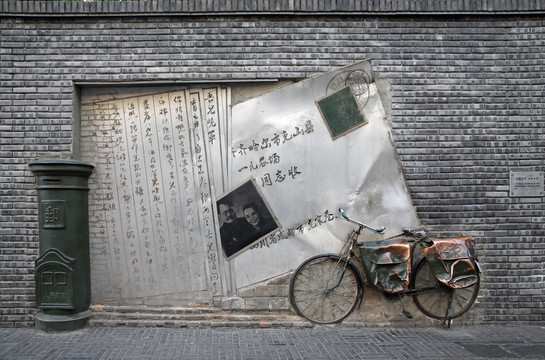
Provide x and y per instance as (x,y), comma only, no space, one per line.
(55,281)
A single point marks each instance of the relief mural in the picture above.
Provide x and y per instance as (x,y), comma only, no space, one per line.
(192,200)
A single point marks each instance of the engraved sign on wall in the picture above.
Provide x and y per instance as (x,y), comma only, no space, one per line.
(158,161)
(526,184)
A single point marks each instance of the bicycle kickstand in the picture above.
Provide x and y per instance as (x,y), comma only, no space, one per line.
(448,320)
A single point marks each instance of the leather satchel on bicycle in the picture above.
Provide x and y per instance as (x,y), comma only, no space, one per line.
(453,261)
(386,264)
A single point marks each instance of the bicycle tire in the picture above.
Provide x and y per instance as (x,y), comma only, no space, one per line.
(435,302)
(313,293)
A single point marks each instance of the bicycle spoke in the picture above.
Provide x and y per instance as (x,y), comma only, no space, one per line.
(433,301)
(462,296)
(312,302)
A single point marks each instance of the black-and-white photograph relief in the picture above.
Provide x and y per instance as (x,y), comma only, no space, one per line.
(244,218)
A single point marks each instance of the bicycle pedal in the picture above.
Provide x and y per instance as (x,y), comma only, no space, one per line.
(407,314)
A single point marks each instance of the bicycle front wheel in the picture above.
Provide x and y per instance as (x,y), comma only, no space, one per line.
(437,300)
(325,289)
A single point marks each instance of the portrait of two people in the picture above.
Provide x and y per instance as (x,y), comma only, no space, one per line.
(244,218)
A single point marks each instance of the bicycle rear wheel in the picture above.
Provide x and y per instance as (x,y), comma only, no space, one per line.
(437,300)
(325,289)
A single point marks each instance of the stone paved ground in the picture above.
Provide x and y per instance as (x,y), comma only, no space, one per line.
(340,342)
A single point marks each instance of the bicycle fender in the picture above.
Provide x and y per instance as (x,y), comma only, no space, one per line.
(478,267)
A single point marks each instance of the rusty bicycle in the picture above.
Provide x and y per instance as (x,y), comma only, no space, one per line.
(443,281)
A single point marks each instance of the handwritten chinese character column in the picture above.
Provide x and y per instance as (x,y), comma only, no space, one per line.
(203,190)
(189,252)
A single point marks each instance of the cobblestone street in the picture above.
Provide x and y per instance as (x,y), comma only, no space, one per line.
(480,342)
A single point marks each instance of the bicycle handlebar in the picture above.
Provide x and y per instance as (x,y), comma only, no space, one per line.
(377,230)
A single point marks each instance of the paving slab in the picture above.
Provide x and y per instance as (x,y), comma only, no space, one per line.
(327,342)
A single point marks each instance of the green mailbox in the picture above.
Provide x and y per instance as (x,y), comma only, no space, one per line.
(62,269)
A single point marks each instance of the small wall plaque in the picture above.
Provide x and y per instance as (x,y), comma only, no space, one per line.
(526,184)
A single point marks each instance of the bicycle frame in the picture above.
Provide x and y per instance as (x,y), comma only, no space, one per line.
(354,242)
(415,240)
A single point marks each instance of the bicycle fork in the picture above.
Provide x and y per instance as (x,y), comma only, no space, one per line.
(328,290)
(349,252)
(346,263)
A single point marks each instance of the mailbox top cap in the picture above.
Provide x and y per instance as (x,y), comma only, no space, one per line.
(60,165)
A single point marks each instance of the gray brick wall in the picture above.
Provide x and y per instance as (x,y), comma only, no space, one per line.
(192,7)
(467,108)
